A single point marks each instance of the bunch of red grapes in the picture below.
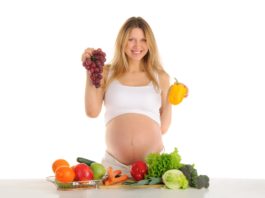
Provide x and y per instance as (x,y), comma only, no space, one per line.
(94,65)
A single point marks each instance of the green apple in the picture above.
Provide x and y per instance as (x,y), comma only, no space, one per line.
(98,169)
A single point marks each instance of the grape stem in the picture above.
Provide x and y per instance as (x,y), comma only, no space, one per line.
(93,58)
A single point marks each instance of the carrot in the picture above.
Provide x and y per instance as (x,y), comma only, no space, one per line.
(110,172)
(116,180)
(115,177)
(116,173)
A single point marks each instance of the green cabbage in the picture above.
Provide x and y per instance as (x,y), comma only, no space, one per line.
(175,179)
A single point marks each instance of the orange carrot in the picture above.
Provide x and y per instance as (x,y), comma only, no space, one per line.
(116,180)
(110,172)
(116,173)
(115,177)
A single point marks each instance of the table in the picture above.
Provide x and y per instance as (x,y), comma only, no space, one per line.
(219,188)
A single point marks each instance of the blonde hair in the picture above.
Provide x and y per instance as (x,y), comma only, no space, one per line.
(119,64)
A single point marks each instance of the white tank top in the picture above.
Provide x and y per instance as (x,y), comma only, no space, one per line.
(121,99)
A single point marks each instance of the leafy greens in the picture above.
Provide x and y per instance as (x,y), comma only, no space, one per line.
(158,164)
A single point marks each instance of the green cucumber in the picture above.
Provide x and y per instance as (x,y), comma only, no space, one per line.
(84,160)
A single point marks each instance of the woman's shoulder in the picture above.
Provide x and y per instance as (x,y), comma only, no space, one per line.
(164,79)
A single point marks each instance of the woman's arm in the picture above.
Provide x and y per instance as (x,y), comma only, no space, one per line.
(165,110)
(93,98)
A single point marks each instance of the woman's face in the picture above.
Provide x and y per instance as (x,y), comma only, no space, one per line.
(136,46)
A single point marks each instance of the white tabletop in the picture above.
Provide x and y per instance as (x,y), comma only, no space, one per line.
(219,188)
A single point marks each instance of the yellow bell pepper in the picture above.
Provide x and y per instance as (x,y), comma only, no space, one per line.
(177,92)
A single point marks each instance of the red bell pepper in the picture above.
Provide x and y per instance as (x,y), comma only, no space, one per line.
(138,170)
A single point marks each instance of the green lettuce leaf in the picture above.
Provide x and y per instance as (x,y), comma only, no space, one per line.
(158,164)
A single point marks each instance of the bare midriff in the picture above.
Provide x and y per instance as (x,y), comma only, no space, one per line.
(130,137)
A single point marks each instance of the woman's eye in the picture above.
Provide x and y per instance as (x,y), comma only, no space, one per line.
(132,40)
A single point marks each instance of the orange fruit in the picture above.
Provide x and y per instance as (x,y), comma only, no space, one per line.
(73,168)
(65,174)
(58,163)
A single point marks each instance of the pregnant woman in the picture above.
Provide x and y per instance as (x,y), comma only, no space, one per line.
(134,91)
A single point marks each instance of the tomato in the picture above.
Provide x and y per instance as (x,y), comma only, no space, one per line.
(138,170)
(83,172)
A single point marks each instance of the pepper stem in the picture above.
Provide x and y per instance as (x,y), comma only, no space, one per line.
(176,81)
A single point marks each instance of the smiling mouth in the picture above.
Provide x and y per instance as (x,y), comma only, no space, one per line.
(136,52)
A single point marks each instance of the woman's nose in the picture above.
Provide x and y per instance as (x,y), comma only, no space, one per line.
(137,43)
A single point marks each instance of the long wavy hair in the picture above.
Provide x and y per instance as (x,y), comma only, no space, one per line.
(151,61)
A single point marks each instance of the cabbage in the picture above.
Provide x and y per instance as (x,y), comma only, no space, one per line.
(175,179)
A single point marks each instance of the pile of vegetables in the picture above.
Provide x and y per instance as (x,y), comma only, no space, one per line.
(167,168)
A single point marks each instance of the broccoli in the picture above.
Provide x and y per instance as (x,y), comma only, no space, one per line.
(195,180)
(200,181)
(189,171)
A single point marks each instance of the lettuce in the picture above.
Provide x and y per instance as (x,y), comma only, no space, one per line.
(158,164)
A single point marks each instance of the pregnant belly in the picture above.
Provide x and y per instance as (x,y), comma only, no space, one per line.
(131,137)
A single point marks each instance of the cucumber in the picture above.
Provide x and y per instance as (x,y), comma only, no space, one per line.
(84,160)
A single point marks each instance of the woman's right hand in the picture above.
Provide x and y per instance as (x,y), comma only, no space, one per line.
(93,67)
(87,54)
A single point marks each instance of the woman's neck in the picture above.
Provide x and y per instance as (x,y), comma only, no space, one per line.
(135,67)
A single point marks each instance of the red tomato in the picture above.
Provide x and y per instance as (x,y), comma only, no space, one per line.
(138,170)
(83,172)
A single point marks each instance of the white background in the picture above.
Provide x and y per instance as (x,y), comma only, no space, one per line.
(217,48)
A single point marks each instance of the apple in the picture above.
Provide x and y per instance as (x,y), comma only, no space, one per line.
(83,172)
(98,170)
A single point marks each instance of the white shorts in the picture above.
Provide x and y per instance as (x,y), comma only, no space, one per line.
(110,161)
